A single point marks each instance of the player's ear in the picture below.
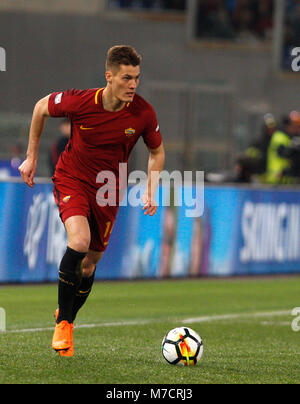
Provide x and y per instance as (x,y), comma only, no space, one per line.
(108,76)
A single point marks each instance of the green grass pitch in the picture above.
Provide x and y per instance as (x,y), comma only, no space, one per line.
(245,325)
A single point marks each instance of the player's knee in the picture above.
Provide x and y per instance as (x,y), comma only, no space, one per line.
(79,243)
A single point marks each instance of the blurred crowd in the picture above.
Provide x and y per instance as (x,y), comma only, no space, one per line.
(274,157)
(153,4)
(246,21)
(292,23)
(235,19)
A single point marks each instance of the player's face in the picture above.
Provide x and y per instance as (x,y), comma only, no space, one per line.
(124,82)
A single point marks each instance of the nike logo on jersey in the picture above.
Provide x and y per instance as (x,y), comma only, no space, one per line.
(83,128)
(66,199)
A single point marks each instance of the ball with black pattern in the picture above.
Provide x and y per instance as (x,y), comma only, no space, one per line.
(182,346)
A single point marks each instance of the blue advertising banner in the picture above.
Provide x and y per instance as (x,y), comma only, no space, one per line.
(243,231)
(32,237)
(267,235)
(9,168)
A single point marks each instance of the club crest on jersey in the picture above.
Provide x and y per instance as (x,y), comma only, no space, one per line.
(129,132)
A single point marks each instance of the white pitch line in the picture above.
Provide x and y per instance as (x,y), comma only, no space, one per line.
(277,323)
(116,324)
(194,320)
(205,319)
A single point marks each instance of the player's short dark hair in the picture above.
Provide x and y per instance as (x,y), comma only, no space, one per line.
(122,55)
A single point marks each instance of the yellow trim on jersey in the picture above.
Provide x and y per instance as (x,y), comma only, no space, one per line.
(96,95)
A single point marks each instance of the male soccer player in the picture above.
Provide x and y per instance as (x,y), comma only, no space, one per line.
(106,124)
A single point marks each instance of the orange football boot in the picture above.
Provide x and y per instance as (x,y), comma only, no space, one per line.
(62,341)
(69,352)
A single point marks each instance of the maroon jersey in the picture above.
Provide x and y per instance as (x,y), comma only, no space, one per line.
(100,139)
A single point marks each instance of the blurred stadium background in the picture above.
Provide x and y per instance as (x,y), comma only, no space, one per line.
(219,74)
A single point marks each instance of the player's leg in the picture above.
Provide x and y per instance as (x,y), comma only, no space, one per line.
(78,232)
(101,223)
(72,201)
(88,268)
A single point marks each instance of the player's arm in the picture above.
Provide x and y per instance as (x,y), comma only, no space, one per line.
(40,114)
(155,166)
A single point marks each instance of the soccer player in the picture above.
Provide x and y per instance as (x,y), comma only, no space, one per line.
(106,124)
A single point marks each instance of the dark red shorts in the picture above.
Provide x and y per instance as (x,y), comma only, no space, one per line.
(74,199)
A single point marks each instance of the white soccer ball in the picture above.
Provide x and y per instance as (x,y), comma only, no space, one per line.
(182,346)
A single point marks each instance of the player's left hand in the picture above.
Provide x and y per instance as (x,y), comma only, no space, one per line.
(150,205)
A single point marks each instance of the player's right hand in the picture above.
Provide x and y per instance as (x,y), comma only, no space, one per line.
(150,205)
(27,170)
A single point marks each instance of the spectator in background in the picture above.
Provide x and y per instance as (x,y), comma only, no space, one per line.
(264,21)
(258,150)
(59,146)
(284,152)
(243,170)
(244,18)
(213,20)
(133,4)
(125,3)
(254,160)
(247,20)
(295,26)
(173,4)
(148,4)
(294,151)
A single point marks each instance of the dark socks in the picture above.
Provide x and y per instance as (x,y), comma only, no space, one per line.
(82,294)
(69,281)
